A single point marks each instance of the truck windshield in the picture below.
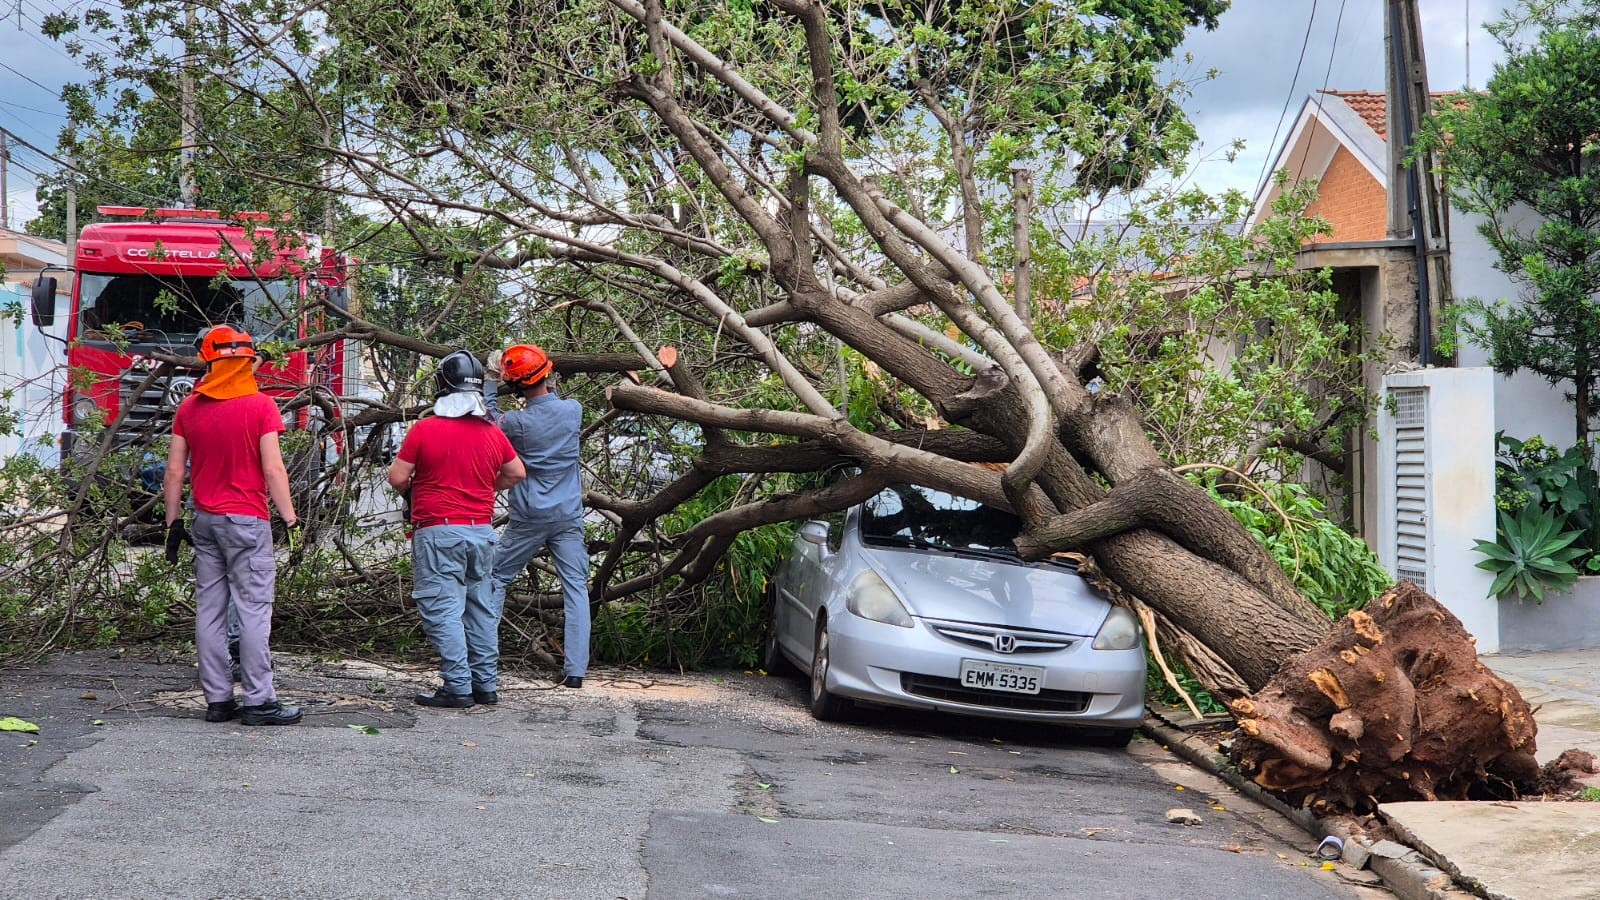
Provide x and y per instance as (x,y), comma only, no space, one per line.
(176,309)
(907,514)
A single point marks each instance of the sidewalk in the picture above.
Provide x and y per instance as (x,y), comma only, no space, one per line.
(1526,851)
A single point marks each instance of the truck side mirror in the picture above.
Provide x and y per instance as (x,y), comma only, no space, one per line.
(44,302)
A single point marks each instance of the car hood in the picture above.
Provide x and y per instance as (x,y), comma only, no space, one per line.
(991,592)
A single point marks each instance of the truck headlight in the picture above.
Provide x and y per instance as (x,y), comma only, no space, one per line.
(83,409)
(1120,631)
(870,598)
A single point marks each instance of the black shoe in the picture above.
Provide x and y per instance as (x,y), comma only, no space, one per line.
(443,699)
(272,713)
(226,711)
(573,681)
(489,698)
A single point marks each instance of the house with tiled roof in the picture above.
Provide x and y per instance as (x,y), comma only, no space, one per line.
(1403,489)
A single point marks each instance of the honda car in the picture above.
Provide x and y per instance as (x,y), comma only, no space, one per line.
(919,599)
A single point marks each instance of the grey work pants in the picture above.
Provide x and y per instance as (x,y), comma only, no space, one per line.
(450,583)
(233,566)
(520,542)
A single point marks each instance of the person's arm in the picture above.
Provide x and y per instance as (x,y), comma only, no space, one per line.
(400,474)
(511,472)
(277,476)
(172,484)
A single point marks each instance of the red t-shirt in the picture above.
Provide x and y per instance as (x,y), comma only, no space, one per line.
(224,438)
(457,460)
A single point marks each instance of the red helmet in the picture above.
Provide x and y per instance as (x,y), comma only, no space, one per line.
(524,364)
(224,342)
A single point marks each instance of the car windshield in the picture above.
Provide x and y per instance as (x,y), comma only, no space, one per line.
(906,514)
(176,309)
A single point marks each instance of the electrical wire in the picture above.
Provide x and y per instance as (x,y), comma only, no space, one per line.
(1323,93)
(1293,82)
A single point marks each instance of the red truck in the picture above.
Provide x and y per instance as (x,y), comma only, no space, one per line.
(150,281)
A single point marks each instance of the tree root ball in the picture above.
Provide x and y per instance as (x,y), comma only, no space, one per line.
(1392,705)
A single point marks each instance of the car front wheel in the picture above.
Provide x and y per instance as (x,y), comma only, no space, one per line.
(824,705)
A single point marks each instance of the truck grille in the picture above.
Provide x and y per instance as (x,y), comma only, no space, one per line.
(149,412)
(951,690)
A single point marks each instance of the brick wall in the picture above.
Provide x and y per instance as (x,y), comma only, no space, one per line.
(1352,201)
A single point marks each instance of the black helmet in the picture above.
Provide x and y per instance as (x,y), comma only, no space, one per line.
(459,373)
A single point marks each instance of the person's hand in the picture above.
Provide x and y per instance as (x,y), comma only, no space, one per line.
(297,542)
(177,533)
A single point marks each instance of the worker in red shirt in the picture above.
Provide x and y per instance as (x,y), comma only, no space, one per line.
(225,437)
(452,464)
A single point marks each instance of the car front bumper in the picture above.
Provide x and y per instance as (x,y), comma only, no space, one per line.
(918,668)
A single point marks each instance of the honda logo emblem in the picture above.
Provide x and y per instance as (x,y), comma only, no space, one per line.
(1005,643)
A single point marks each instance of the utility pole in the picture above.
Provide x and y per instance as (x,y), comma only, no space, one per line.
(188,195)
(5,191)
(1417,205)
(72,212)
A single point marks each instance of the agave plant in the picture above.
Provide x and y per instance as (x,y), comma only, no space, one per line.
(1531,554)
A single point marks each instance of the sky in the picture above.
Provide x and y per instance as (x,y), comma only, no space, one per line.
(1254,52)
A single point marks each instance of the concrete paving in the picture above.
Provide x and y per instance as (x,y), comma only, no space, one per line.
(1525,850)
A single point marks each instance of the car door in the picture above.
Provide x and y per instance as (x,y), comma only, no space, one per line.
(793,595)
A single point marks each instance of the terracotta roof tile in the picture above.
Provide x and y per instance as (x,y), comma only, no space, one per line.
(1373,106)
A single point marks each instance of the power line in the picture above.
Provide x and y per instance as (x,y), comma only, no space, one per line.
(1323,94)
(25,77)
(1304,43)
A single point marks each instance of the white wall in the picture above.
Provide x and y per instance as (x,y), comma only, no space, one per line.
(33,368)
(1524,404)
(1460,491)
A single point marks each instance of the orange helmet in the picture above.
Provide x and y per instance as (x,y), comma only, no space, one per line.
(225,341)
(524,364)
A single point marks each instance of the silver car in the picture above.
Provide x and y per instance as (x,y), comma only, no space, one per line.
(918,599)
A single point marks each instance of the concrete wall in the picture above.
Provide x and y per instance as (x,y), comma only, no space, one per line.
(1460,490)
(1569,621)
(33,373)
(1524,404)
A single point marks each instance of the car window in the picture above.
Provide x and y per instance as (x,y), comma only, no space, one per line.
(909,514)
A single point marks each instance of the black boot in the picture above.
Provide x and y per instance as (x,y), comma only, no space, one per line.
(443,699)
(573,681)
(488,698)
(225,711)
(271,713)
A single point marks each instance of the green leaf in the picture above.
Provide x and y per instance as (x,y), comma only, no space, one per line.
(12,723)
(363,729)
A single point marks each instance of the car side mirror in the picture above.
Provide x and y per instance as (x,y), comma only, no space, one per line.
(44,302)
(815,533)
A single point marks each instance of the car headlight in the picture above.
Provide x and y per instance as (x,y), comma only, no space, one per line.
(1120,631)
(870,598)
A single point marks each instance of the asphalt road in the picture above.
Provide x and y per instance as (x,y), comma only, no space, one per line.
(655,786)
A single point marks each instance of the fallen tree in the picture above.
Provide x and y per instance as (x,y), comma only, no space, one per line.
(765,186)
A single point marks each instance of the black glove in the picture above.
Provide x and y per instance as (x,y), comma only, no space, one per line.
(297,543)
(177,533)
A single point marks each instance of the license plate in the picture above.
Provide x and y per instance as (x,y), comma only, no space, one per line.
(992,676)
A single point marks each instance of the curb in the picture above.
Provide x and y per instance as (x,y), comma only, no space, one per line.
(1403,870)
